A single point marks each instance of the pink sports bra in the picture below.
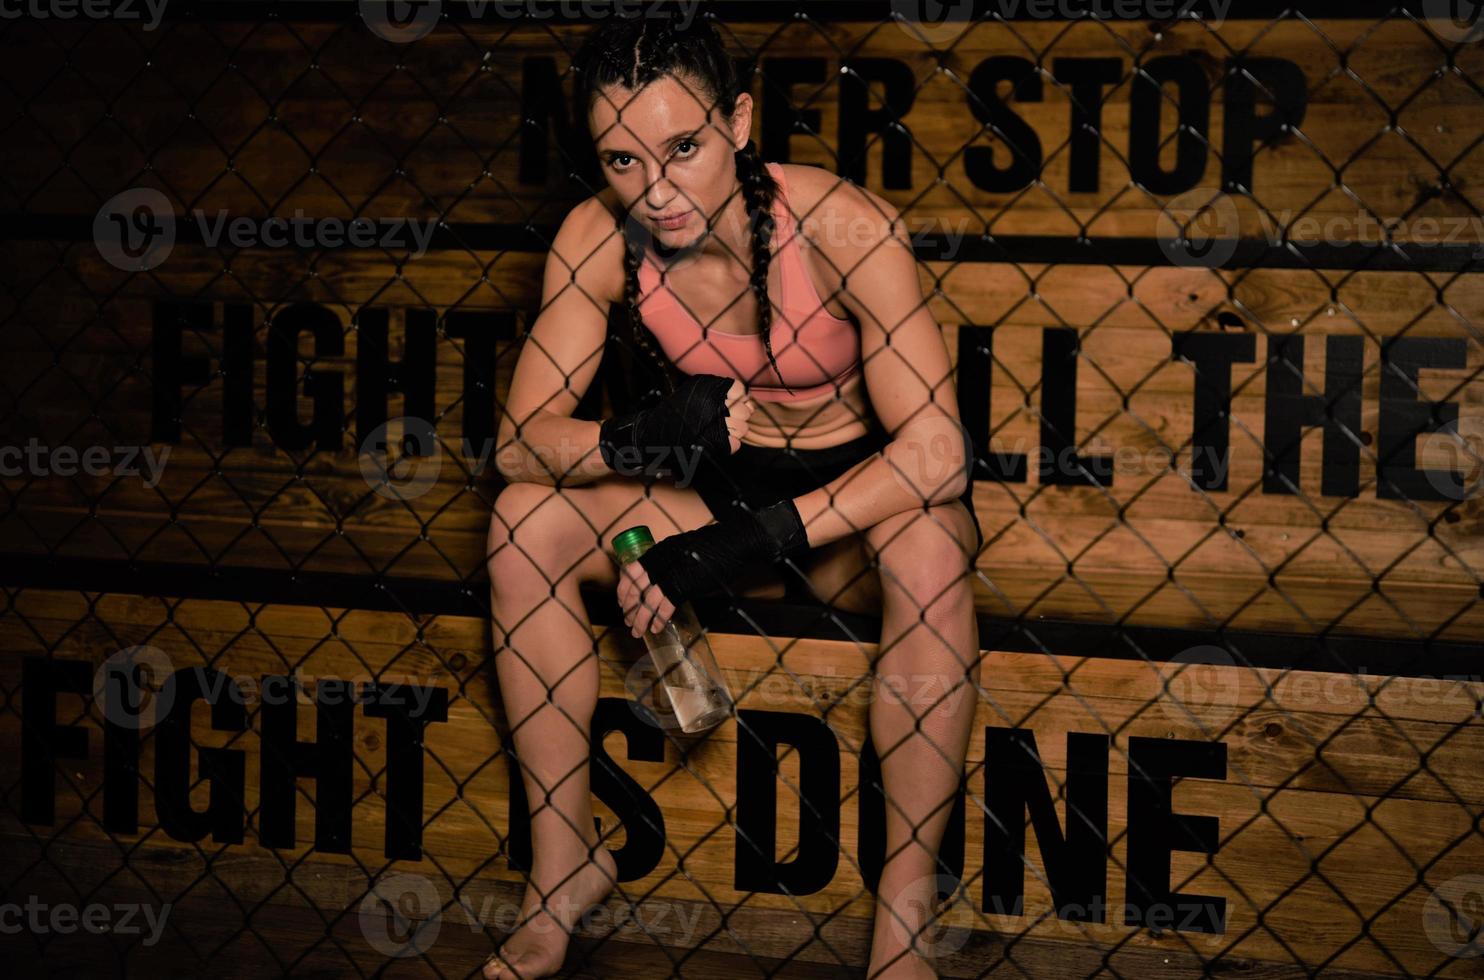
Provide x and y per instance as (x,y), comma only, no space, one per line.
(816,351)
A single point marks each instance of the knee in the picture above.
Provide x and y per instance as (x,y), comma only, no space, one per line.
(924,557)
(528,526)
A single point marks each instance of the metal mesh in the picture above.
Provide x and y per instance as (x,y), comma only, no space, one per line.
(394,105)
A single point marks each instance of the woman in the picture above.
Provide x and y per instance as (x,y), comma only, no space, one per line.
(815,429)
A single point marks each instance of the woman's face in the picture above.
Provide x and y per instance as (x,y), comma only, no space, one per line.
(666,153)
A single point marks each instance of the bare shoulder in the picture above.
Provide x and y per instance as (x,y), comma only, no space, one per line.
(840,218)
(589,245)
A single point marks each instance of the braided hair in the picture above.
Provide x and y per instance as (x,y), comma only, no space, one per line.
(634,51)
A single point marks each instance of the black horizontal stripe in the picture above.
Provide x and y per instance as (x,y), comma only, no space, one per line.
(1389,655)
(1251,253)
(776,11)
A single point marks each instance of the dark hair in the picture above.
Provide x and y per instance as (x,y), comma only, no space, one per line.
(634,51)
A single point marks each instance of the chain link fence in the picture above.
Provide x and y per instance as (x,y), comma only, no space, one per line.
(1230,571)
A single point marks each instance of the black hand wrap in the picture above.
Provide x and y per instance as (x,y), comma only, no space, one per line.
(707,559)
(692,419)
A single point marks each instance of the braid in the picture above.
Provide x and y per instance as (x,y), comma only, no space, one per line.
(632,255)
(758,191)
(634,51)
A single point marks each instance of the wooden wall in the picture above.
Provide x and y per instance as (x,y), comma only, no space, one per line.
(346,133)
(1320,810)
(1333,789)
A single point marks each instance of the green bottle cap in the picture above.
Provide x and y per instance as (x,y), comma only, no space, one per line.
(630,543)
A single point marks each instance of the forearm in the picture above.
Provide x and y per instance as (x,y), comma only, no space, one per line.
(893,482)
(707,559)
(552,449)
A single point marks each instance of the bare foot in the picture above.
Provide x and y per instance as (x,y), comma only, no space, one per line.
(538,947)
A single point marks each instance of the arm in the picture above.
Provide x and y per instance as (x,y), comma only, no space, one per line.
(538,440)
(908,380)
(910,386)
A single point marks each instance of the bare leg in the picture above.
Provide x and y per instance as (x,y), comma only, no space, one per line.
(921,715)
(541,548)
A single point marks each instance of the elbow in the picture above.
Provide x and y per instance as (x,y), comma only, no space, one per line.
(931,478)
(512,461)
(932,472)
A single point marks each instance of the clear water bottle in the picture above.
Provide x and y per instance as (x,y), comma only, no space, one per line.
(685,669)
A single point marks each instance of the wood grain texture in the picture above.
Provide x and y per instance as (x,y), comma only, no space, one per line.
(1370,778)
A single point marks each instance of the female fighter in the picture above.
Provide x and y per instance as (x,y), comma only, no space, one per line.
(813,433)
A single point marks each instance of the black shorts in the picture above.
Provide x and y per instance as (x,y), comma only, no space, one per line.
(763,475)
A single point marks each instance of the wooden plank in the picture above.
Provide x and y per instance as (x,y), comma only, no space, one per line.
(1144,303)
(1315,775)
(1353,71)
(759,941)
(1180,557)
